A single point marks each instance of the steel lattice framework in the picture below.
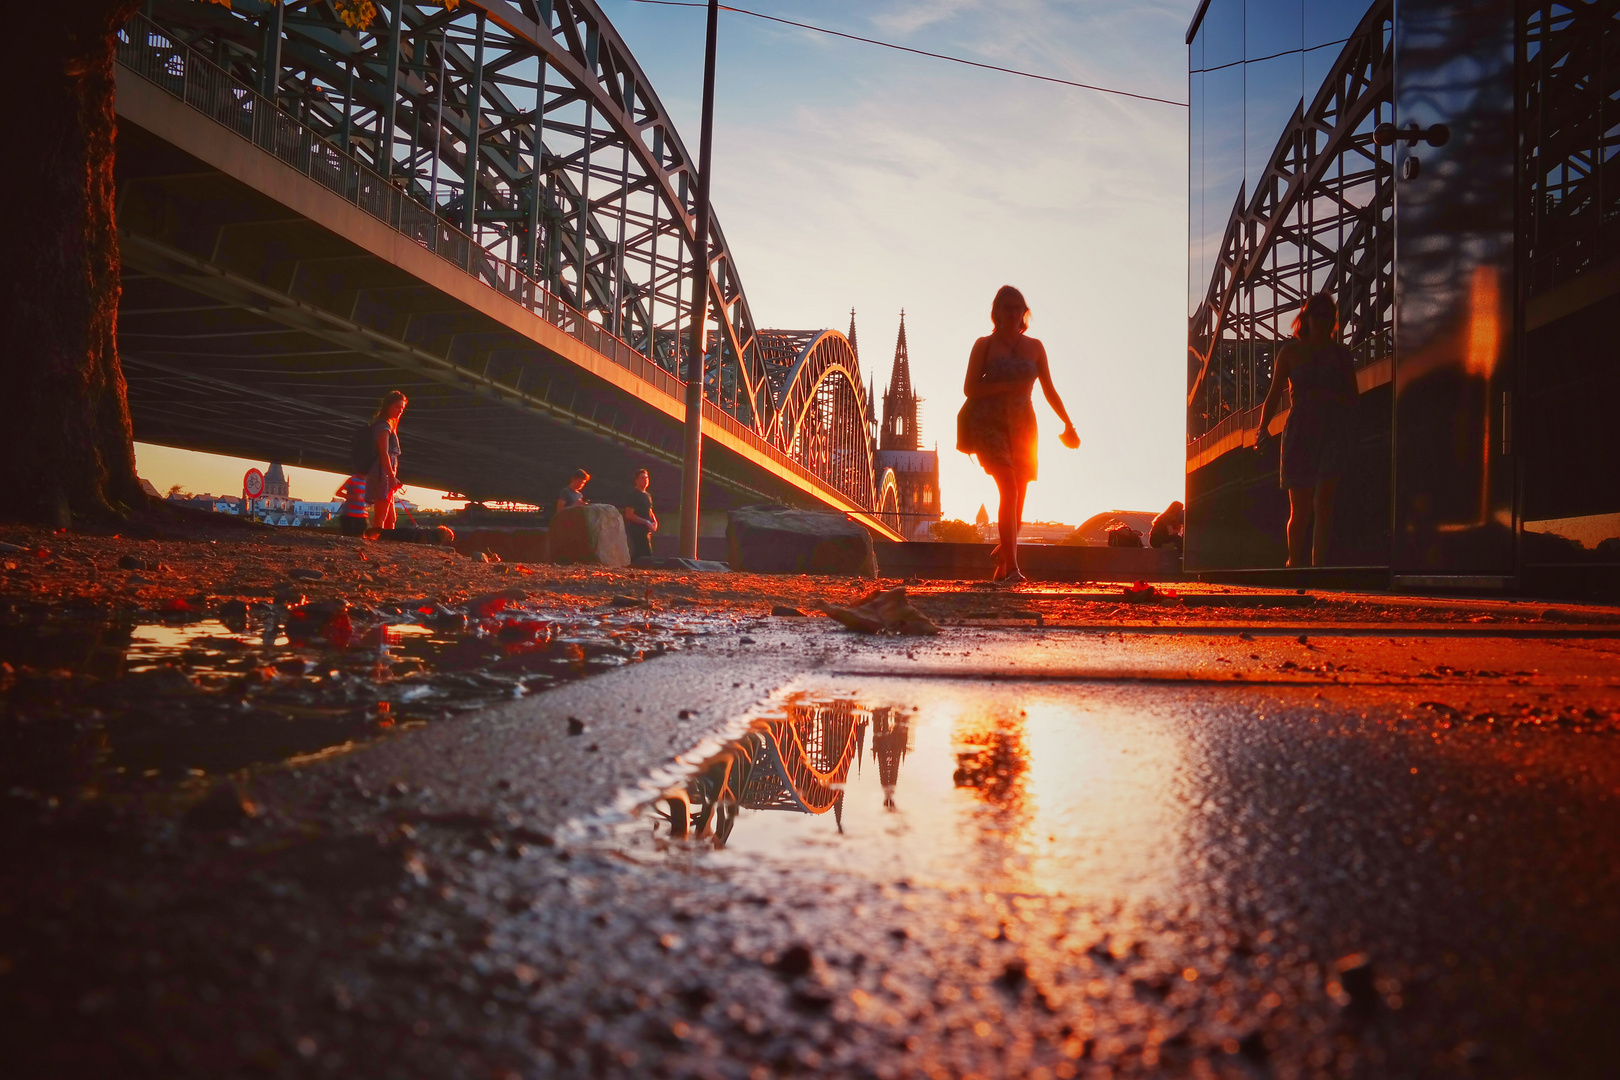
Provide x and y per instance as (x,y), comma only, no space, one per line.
(1320,218)
(1570,54)
(529,127)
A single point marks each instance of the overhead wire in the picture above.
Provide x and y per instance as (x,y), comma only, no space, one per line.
(919,52)
(1286,52)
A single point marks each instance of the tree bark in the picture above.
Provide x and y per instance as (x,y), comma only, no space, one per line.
(67,454)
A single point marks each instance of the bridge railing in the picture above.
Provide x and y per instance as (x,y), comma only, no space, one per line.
(149,51)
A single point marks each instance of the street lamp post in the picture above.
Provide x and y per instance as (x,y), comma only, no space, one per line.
(692,464)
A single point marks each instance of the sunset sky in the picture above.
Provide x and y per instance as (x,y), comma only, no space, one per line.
(848,175)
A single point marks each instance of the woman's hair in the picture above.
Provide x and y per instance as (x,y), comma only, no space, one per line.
(579,474)
(388,400)
(1008,306)
(1318,300)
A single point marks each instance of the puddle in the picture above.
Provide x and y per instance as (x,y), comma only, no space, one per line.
(95,703)
(1011,787)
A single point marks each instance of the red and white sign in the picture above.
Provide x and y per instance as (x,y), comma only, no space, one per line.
(253,483)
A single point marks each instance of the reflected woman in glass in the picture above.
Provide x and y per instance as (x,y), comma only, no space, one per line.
(998,421)
(1318,437)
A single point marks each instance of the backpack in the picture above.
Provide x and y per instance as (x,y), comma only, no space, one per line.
(1122,535)
(362,450)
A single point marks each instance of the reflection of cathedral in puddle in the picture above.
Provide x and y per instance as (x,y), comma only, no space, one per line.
(799,761)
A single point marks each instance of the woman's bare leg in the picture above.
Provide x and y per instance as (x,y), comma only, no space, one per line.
(1301,514)
(1020,488)
(1323,509)
(1010,492)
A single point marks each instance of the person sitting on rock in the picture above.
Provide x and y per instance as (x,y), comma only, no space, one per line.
(573,492)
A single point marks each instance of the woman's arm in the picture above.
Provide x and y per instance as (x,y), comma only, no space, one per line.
(975,372)
(1043,373)
(1279,380)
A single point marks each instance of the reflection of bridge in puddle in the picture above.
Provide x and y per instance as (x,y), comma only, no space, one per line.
(798,761)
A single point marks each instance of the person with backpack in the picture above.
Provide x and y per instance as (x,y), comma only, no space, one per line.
(382,471)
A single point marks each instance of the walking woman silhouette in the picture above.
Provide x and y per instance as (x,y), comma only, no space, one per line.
(998,421)
(1318,436)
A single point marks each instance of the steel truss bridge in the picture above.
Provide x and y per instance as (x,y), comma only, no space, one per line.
(487,207)
(1321,217)
(797,762)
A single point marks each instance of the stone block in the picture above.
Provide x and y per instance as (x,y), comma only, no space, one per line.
(593,533)
(774,539)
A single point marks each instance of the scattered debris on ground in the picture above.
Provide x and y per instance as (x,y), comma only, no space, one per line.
(883,611)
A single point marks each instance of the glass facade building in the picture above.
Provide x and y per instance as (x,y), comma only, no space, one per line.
(1441,168)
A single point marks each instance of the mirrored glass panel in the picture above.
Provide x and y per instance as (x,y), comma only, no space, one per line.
(1272,87)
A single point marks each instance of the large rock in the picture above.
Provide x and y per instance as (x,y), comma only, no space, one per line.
(775,539)
(593,533)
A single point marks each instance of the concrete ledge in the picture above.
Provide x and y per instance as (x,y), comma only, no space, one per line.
(1040,562)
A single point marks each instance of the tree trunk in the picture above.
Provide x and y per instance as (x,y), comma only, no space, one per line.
(67,453)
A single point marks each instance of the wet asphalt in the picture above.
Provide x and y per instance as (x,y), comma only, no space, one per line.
(1090,855)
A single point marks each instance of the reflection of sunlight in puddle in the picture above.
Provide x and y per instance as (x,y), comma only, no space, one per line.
(1018,788)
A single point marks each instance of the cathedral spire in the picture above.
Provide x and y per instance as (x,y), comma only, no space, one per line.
(901,379)
(900,421)
(854,347)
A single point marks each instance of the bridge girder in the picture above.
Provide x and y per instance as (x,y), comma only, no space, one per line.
(530,126)
(521,141)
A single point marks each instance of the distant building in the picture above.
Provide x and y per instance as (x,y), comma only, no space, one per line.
(916,471)
(219,504)
(1043,532)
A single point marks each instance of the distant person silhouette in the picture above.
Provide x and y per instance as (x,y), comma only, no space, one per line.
(998,421)
(383,478)
(1318,437)
(1167,528)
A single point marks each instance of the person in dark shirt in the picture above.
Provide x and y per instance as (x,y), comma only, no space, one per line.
(639,520)
(573,492)
(1168,526)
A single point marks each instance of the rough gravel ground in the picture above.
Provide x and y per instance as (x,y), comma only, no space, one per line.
(205,565)
(1396,857)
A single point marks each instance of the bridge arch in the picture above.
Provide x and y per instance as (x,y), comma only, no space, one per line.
(887,500)
(820,408)
(797,761)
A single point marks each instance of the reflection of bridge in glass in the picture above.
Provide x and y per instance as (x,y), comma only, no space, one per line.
(487,207)
(797,762)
